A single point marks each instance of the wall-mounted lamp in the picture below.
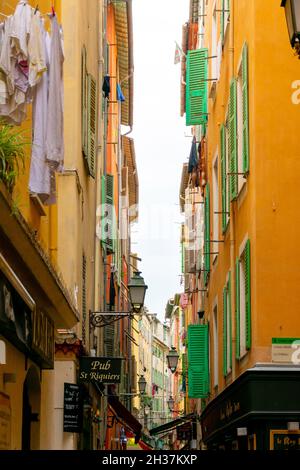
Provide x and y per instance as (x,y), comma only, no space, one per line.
(172,359)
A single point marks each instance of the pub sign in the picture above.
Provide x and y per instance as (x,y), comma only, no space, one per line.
(102,370)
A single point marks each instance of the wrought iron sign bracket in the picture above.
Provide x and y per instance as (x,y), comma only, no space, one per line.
(102,319)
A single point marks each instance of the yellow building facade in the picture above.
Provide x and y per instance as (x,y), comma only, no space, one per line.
(51,262)
(250,251)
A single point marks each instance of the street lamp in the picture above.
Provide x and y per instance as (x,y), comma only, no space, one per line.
(292,13)
(142,384)
(171,403)
(172,359)
(137,291)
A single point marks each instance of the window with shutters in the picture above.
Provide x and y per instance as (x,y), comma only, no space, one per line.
(215,246)
(242,120)
(89,107)
(110,219)
(215,347)
(207,247)
(196,87)
(225,179)
(92,125)
(243,302)
(84,104)
(214,45)
(227,329)
(198,363)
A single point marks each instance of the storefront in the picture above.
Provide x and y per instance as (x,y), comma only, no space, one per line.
(259,411)
(33,304)
(177,433)
(27,337)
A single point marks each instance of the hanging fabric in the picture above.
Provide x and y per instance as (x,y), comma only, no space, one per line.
(106,86)
(39,181)
(193,160)
(55,122)
(120,96)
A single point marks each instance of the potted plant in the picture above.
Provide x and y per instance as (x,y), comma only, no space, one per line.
(12,154)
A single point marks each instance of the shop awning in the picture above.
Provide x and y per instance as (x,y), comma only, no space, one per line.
(171,425)
(127,419)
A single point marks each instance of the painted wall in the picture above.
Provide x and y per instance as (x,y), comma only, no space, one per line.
(266,210)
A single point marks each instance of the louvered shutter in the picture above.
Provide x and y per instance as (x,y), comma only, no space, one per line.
(92,124)
(207,236)
(198,361)
(109,340)
(233,140)
(110,212)
(230,322)
(225,345)
(103,211)
(245,110)
(248,294)
(196,87)
(84,103)
(237,293)
(223,178)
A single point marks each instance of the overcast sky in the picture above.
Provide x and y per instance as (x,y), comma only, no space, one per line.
(161,145)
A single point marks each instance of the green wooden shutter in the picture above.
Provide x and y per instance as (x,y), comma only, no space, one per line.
(225,313)
(92,124)
(223,178)
(198,361)
(233,140)
(245,110)
(230,322)
(237,293)
(103,211)
(196,87)
(207,235)
(84,103)
(110,212)
(248,294)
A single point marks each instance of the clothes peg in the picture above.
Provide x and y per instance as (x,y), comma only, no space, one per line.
(53,11)
(36,9)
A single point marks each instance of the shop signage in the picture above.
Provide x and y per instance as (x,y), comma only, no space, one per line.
(72,408)
(284,440)
(43,337)
(185,432)
(286,350)
(104,370)
(230,409)
(28,328)
(5,422)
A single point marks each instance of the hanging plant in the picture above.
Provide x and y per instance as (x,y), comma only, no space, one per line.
(12,154)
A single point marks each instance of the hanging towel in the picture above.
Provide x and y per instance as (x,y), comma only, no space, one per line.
(39,182)
(193,161)
(20,29)
(120,96)
(55,118)
(106,86)
(36,51)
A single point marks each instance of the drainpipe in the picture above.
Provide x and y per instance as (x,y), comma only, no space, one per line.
(233,211)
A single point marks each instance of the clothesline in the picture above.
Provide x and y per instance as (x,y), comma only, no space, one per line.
(35,10)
